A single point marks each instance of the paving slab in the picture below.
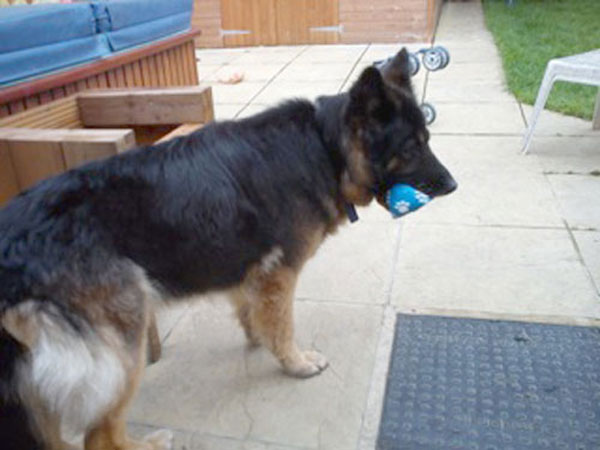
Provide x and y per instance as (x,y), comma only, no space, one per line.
(279,90)
(208,442)
(463,33)
(377,52)
(189,440)
(227,111)
(466,91)
(562,155)
(209,382)
(329,53)
(353,265)
(551,123)
(309,72)
(358,68)
(278,49)
(578,199)
(469,14)
(264,56)
(418,81)
(479,51)
(478,118)
(374,213)
(206,71)
(520,272)
(462,21)
(489,71)
(496,185)
(218,56)
(240,93)
(253,108)
(167,317)
(454,35)
(588,243)
(182,440)
(251,72)
(449,29)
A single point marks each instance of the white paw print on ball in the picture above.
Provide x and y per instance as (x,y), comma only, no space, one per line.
(402,206)
(421,197)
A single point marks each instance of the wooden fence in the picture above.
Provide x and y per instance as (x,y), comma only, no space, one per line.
(227,23)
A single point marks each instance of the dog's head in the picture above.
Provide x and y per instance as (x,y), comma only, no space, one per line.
(385,138)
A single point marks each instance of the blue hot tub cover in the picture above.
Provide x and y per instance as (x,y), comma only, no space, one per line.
(38,39)
(127,23)
(42,38)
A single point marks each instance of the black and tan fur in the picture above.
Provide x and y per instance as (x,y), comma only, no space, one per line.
(237,206)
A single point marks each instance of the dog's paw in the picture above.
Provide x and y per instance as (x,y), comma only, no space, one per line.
(160,440)
(309,364)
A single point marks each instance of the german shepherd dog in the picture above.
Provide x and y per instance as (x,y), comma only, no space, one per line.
(237,206)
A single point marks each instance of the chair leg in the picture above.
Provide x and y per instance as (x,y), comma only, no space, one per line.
(596,119)
(540,101)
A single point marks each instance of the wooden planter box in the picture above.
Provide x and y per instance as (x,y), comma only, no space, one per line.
(52,138)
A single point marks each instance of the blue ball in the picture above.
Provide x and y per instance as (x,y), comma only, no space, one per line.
(402,199)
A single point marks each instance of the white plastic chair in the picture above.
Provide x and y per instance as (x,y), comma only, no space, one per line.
(583,68)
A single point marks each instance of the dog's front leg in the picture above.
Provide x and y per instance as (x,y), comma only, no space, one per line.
(270,319)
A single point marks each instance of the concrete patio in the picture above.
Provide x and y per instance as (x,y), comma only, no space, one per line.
(520,239)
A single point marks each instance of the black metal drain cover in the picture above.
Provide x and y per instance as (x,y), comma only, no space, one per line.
(491,385)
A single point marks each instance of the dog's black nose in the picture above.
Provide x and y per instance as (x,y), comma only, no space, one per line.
(442,186)
(449,186)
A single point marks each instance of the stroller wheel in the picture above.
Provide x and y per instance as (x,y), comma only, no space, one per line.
(445,55)
(428,112)
(414,63)
(433,59)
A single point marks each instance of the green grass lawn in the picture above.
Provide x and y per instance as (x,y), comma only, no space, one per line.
(532,32)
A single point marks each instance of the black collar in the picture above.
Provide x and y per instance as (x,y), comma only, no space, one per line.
(351,212)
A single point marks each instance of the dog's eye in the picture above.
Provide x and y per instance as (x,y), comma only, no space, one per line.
(409,152)
(393,164)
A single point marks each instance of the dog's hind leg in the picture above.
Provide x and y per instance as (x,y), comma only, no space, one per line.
(270,318)
(110,432)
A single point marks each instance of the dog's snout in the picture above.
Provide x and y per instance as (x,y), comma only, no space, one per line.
(434,178)
(443,185)
(448,186)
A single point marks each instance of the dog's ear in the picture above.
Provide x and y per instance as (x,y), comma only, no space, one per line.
(397,70)
(368,98)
